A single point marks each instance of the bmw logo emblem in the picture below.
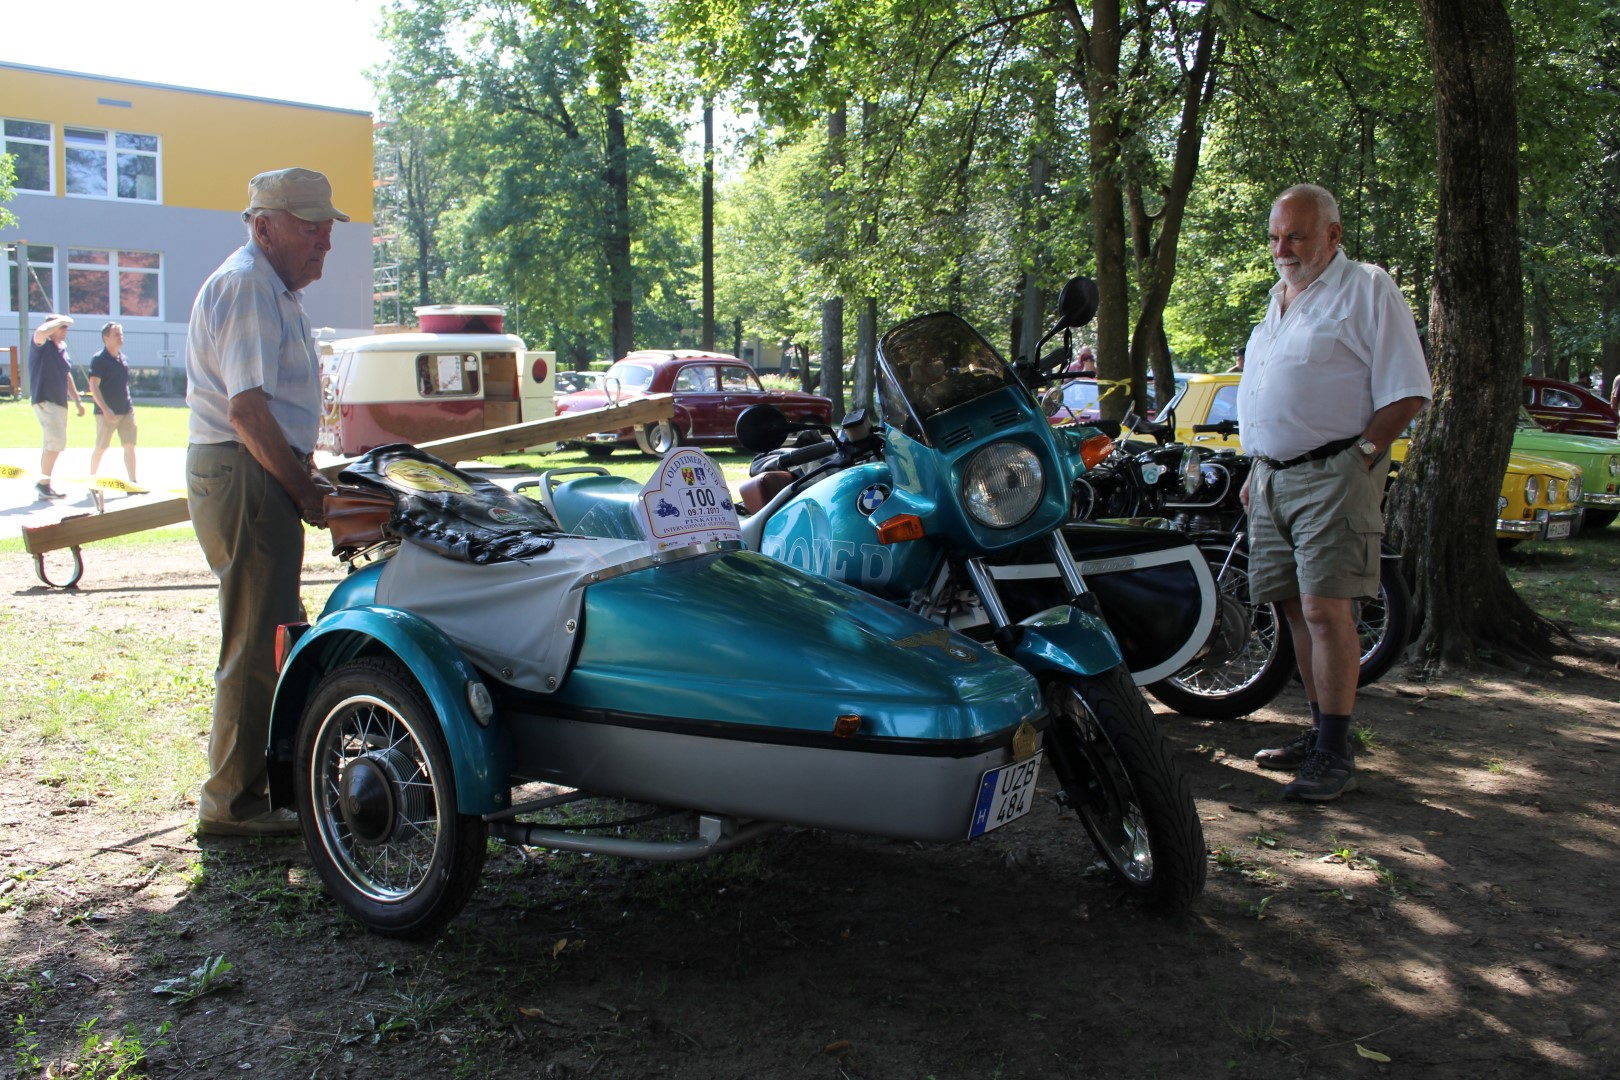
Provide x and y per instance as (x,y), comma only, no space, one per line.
(871,498)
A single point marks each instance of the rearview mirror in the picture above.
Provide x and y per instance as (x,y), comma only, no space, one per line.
(763,428)
(1077,303)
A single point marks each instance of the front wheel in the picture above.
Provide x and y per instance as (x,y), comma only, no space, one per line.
(377,802)
(1116,772)
(1250,658)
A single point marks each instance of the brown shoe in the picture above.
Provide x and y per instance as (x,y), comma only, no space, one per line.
(275,823)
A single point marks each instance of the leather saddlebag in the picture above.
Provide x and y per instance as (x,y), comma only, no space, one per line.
(358,518)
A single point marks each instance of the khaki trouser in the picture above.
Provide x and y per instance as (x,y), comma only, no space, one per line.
(253,539)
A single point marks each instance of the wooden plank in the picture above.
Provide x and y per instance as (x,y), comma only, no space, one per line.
(155,514)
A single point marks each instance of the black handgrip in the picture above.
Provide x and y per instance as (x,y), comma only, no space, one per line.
(1220,427)
(799,455)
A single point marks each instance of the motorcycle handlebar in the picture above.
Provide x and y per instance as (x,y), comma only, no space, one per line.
(799,455)
(1220,427)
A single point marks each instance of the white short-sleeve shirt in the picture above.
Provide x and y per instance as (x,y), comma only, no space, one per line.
(249,330)
(1346,348)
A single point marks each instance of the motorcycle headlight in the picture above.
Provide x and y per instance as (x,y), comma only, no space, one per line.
(1192,472)
(1532,488)
(1002,485)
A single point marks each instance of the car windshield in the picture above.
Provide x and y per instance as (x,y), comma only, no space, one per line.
(931,364)
(1079,394)
(632,376)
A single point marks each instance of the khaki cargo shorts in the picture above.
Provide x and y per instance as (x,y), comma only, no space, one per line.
(123,424)
(53,424)
(1314,530)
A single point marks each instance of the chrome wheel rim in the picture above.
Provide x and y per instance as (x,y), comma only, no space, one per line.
(1109,797)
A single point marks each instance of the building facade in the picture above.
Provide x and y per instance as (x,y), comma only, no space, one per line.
(128,194)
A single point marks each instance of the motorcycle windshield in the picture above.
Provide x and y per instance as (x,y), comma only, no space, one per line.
(933,363)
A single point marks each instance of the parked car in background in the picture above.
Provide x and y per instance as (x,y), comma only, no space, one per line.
(570,382)
(1597,458)
(1079,397)
(1540,499)
(1568,408)
(711,390)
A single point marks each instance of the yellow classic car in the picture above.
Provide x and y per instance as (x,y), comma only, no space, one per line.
(1540,499)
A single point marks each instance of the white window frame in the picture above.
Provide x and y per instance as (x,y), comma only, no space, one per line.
(112,269)
(10,267)
(49,143)
(110,150)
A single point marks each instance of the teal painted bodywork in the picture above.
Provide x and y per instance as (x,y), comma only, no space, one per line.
(738,638)
(481,755)
(1066,639)
(822,531)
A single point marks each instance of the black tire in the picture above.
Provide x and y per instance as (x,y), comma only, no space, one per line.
(1247,667)
(658,438)
(1384,623)
(377,801)
(1598,519)
(1116,771)
(599,451)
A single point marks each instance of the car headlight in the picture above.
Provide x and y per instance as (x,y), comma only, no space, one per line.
(1577,488)
(1002,485)
(1552,490)
(1192,472)
(1501,505)
(1614,466)
(1532,488)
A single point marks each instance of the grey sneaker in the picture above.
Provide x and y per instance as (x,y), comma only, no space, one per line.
(275,823)
(1324,777)
(1291,754)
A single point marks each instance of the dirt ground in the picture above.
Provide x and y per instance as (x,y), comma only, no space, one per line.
(1453,918)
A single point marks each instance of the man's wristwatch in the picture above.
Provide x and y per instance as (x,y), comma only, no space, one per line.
(1369,449)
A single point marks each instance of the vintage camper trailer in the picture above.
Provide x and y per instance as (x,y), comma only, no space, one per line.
(460,373)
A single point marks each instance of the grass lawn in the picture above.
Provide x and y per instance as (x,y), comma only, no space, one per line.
(160,425)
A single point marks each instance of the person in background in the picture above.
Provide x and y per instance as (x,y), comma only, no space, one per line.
(50,381)
(253,381)
(1336,358)
(109,386)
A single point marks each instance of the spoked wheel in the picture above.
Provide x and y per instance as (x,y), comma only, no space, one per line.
(1384,623)
(1117,774)
(658,438)
(377,801)
(1248,664)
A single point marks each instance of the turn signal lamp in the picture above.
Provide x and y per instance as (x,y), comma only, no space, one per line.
(287,635)
(1095,450)
(900,527)
(846,726)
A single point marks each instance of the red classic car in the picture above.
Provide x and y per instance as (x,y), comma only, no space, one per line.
(1567,408)
(711,390)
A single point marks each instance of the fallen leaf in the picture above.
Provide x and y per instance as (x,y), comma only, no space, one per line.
(1372,1055)
(557,949)
(836,1047)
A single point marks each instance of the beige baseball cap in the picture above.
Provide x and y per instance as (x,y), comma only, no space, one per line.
(303,193)
(53,321)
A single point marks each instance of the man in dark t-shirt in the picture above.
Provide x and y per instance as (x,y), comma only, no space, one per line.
(50,379)
(109,385)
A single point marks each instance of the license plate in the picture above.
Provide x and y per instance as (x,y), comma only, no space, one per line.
(1005,794)
(1557,530)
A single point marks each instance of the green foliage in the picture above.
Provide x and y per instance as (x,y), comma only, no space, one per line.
(205,978)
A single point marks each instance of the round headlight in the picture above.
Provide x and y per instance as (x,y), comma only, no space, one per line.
(1002,485)
(1552,490)
(1614,466)
(1577,488)
(1532,488)
(1192,472)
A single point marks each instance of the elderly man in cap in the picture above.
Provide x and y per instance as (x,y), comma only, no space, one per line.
(50,379)
(254,390)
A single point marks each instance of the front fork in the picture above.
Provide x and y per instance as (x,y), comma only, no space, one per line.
(1006,633)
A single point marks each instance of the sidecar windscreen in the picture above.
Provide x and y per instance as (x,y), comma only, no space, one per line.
(933,363)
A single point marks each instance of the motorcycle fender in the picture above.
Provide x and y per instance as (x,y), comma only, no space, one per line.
(1066,639)
(480,754)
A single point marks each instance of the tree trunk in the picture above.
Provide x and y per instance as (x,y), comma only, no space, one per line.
(1444,505)
(832,309)
(708,226)
(866,335)
(1032,318)
(1108,209)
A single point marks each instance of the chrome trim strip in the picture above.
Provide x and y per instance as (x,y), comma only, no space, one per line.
(663,558)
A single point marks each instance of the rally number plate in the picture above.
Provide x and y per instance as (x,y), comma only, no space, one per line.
(1005,794)
(1557,530)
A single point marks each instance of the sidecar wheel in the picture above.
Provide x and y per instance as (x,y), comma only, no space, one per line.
(1244,673)
(1117,774)
(1384,623)
(377,802)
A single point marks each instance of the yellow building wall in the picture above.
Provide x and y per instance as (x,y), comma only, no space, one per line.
(211,143)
